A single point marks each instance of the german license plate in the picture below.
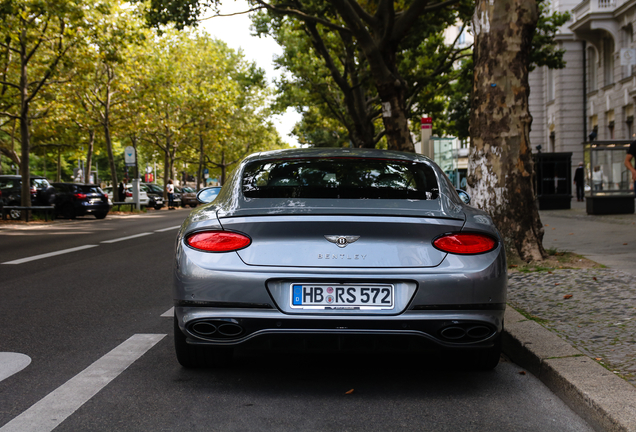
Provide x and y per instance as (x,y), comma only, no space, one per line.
(342,297)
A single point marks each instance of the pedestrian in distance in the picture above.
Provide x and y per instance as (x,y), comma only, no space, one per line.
(631,154)
(170,191)
(579,181)
(121,192)
(597,178)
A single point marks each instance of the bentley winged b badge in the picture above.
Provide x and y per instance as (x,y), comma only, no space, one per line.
(341,241)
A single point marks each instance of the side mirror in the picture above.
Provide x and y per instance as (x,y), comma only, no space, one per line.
(208,194)
(463,195)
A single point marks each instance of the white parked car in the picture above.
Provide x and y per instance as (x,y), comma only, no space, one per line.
(143,196)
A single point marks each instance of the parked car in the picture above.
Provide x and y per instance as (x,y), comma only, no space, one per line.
(76,199)
(177,197)
(339,244)
(189,197)
(155,195)
(143,196)
(42,193)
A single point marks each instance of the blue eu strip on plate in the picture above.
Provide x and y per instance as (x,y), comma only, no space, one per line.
(297,295)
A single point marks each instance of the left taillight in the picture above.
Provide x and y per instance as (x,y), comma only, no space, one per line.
(218,241)
(80,196)
(465,243)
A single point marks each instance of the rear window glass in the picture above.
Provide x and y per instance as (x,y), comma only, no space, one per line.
(90,189)
(8,183)
(345,178)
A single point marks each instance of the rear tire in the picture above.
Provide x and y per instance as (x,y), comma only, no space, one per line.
(15,214)
(197,356)
(100,215)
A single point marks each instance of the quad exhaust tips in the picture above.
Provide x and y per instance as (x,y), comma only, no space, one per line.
(466,333)
(216,329)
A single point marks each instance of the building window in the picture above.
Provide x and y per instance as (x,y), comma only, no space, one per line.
(609,115)
(550,85)
(591,69)
(608,61)
(627,38)
(629,122)
(552,142)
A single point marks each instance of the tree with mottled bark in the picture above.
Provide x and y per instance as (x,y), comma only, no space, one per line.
(500,162)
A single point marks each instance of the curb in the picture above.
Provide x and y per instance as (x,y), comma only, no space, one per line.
(605,401)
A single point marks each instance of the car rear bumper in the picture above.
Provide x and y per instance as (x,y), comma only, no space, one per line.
(237,326)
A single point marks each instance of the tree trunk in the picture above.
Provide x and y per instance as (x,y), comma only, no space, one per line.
(500,162)
(89,156)
(222,167)
(58,178)
(166,168)
(109,146)
(24,128)
(200,170)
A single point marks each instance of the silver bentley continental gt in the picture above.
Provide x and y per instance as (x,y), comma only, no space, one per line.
(338,243)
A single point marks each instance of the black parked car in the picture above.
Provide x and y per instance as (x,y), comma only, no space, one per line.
(155,195)
(42,193)
(76,199)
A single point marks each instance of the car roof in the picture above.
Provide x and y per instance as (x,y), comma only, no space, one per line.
(12,176)
(328,152)
(74,184)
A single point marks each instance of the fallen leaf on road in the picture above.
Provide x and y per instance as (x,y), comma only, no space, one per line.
(624,244)
(513,265)
(549,272)
(553,228)
(349,392)
(594,278)
(571,234)
(522,373)
(567,296)
(556,283)
(598,359)
(547,225)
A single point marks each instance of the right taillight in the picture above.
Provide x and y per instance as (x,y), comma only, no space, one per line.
(218,241)
(465,243)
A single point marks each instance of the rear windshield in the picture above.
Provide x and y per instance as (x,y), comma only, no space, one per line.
(345,178)
(90,189)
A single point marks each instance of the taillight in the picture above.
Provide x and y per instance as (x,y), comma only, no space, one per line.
(79,196)
(218,241)
(34,190)
(465,243)
(128,194)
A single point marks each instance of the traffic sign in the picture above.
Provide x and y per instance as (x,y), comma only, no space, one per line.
(129,156)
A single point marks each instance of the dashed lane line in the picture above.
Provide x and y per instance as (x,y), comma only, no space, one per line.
(65,251)
(126,238)
(58,405)
(168,229)
(169,313)
(50,254)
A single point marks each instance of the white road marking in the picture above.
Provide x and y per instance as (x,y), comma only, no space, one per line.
(58,405)
(50,254)
(12,363)
(169,313)
(126,238)
(168,229)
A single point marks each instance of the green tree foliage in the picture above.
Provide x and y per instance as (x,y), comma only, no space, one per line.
(99,80)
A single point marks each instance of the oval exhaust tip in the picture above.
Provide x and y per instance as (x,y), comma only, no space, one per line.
(230,330)
(478,332)
(453,333)
(204,328)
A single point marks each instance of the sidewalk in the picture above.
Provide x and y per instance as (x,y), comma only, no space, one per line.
(592,311)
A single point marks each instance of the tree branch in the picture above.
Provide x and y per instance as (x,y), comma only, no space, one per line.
(302,15)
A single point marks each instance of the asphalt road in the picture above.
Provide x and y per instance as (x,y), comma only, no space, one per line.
(102,359)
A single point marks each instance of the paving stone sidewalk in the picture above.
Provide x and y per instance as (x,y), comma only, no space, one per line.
(599,318)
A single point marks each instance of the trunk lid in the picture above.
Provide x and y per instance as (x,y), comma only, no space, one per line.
(361,241)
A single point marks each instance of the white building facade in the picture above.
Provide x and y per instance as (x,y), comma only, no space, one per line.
(594,93)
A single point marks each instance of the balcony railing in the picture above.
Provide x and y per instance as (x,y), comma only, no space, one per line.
(591,6)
